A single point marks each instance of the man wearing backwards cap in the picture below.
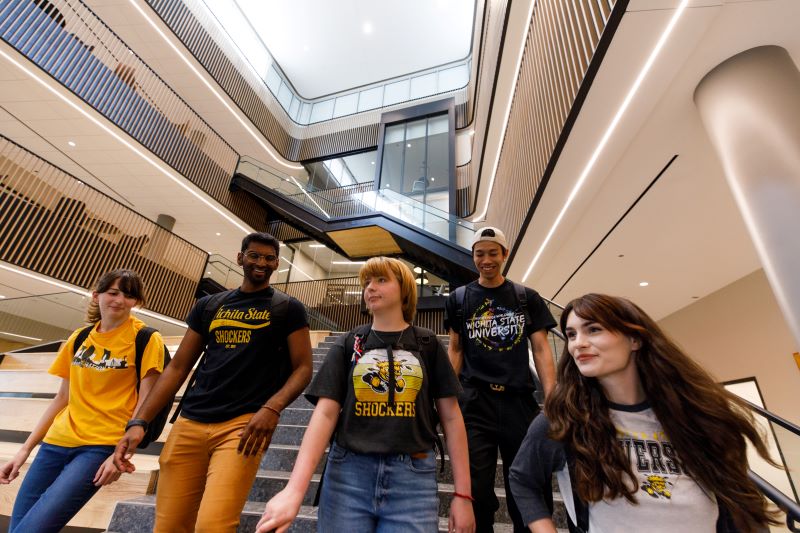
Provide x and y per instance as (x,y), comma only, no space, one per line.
(491,321)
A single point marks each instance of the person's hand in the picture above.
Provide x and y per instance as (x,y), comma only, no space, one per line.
(107,474)
(10,470)
(462,519)
(126,447)
(257,434)
(280,512)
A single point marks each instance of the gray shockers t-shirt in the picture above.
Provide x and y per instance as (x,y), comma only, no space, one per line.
(247,357)
(668,499)
(495,335)
(372,420)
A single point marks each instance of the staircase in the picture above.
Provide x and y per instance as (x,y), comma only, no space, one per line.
(137,515)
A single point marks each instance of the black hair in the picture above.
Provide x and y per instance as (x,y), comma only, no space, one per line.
(261,237)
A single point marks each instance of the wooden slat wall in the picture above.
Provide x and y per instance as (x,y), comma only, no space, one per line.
(97,66)
(54,224)
(562,39)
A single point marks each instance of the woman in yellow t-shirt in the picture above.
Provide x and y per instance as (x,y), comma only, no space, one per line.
(98,395)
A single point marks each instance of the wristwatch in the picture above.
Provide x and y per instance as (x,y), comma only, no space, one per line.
(137,422)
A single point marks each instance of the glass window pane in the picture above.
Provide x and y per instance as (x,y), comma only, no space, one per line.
(294,108)
(273,80)
(453,78)
(396,92)
(416,129)
(423,85)
(321,111)
(438,125)
(305,113)
(370,99)
(285,96)
(395,134)
(345,105)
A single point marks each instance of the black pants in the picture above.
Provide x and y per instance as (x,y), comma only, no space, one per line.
(494,420)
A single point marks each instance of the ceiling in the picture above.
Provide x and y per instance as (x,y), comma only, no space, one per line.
(685,238)
(328,47)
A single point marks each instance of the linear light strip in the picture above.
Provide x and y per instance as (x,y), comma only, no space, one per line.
(155,164)
(219,97)
(83,292)
(506,115)
(609,131)
(20,336)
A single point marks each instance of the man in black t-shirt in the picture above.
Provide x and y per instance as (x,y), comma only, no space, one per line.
(257,361)
(491,321)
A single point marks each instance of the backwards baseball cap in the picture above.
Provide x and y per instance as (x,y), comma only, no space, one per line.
(490,234)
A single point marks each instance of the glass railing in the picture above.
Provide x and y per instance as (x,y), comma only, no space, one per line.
(228,24)
(51,317)
(224,271)
(353,200)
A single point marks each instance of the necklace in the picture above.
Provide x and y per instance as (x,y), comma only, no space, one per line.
(377,336)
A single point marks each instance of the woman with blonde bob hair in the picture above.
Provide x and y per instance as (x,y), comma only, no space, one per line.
(638,435)
(376,393)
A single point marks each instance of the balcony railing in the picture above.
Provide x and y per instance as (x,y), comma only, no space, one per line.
(54,224)
(360,199)
(70,43)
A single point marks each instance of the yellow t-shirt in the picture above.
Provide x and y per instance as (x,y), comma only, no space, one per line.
(102,384)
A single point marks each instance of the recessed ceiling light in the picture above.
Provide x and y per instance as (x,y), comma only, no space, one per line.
(408,145)
(643,284)
(1,296)
(372,162)
(80,182)
(218,234)
(71,143)
(418,270)
(433,179)
(208,273)
(316,246)
(367,28)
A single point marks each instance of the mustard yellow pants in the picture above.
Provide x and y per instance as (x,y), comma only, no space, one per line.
(204,482)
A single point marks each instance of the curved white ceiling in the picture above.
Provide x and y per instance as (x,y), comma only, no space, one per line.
(328,47)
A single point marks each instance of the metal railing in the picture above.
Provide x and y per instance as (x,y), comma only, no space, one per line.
(360,199)
(54,224)
(70,43)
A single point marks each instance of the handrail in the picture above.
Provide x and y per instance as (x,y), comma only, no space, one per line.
(772,417)
(788,506)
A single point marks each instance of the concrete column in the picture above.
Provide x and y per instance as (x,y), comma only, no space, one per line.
(750,107)
(159,239)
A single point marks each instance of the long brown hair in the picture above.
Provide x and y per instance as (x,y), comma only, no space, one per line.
(129,283)
(705,423)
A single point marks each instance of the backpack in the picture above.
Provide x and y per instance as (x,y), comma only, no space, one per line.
(156,426)
(279,305)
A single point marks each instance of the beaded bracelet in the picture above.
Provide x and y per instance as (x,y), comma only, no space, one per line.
(465,496)
(265,406)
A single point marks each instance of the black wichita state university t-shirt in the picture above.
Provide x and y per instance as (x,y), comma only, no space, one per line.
(247,357)
(495,334)
(368,423)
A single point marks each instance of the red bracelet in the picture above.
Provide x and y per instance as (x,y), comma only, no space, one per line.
(465,496)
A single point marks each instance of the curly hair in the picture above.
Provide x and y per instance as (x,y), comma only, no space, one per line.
(707,424)
(129,283)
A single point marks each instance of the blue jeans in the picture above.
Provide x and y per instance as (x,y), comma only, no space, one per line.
(378,493)
(57,485)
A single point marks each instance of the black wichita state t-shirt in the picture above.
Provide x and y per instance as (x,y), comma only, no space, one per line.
(368,423)
(495,335)
(247,357)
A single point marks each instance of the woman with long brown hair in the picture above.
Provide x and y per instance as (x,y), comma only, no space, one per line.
(639,436)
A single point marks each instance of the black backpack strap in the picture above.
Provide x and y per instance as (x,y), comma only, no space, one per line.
(83,334)
(209,310)
(142,339)
(581,509)
(522,299)
(461,297)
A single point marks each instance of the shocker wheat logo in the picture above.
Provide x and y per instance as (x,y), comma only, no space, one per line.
(371,382)
(85,358)
(657,487)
